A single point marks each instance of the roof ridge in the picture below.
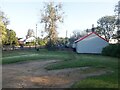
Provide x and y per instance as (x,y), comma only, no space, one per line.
(80,39)
(100,36)
(83,37)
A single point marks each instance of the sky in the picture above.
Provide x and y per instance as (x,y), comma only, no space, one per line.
(79,14)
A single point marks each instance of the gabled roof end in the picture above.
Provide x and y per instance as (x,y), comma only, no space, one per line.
(80,39)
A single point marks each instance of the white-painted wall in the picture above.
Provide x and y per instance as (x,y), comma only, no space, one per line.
(91,44)
(113,41)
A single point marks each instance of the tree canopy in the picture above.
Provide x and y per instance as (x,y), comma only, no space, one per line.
(3,23)
(51,15)
(30,33)
(106,25)
(3,18)
(11,37)
(117,22)
(7,36)
(2,33)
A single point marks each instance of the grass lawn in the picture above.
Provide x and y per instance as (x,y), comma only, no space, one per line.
(103,81)
(109,80)
(71,60)
(25,55)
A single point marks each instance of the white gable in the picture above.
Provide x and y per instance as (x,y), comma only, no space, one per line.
(91,44)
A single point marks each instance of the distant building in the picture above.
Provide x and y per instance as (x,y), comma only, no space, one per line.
(21,41)
(113,41)
(30,39)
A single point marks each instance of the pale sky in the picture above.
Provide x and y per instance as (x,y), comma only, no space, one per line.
(79,14)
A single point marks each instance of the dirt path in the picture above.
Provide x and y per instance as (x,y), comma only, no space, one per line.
(33,75)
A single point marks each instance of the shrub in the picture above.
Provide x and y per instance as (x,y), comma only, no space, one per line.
(112,50)
(51,46)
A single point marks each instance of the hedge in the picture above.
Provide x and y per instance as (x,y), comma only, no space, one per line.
(112,50)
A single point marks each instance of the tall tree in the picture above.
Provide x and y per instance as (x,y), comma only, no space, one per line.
(106,25)
(76,35)
(117,22)
(52,14)
(3,18)
(2,33)
(30,33)
(11,37)
(3,23)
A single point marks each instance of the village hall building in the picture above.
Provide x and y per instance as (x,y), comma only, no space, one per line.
(91,43)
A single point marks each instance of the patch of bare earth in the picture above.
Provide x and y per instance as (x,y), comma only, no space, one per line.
(33,75)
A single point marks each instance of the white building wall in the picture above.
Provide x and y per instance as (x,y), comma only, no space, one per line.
(91,44)
(113,41)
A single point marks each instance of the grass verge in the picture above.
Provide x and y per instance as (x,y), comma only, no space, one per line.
(103,81)
(86,60)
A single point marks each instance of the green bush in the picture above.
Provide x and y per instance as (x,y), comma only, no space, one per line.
(51,46)
(112,50)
